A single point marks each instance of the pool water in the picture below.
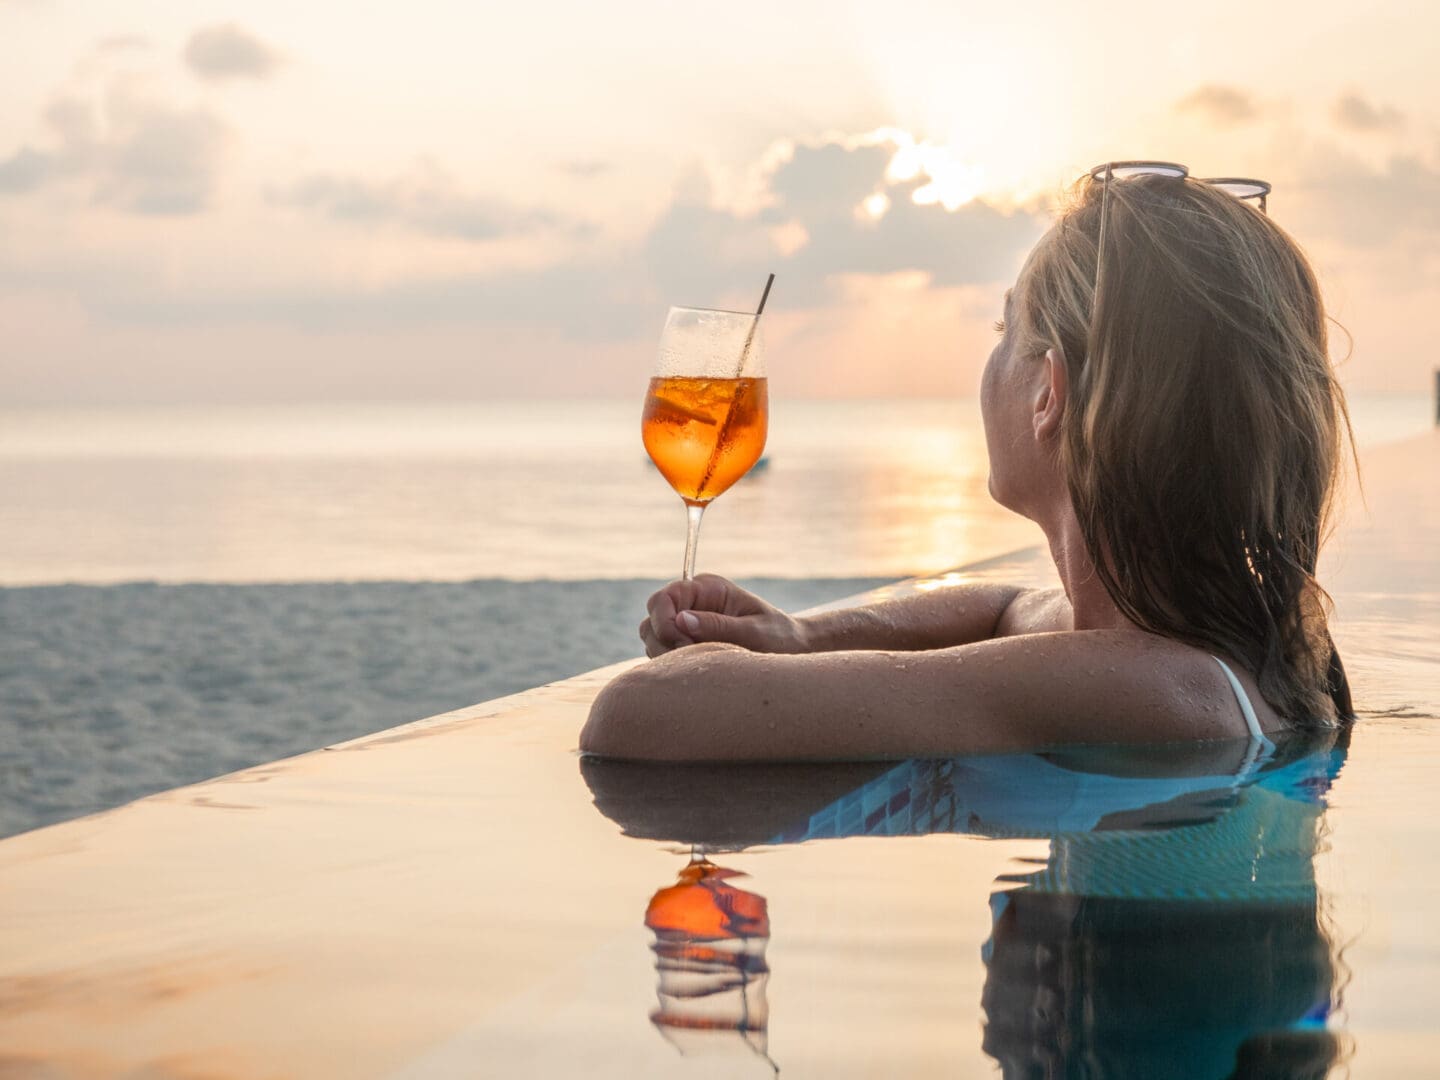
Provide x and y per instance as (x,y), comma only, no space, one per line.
(1173,926)
(467,896)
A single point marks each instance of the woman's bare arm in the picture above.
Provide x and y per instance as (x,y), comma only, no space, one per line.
(938,619)
(712,609)
(720,703)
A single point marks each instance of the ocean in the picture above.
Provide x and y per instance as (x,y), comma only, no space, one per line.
(513,490)
(185,592)
(520,491)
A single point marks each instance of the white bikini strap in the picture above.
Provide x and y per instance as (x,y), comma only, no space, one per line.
(1244,701)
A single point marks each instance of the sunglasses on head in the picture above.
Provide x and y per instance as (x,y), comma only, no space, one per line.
(1243,188)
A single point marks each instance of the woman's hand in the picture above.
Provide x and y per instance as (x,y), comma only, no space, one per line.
(710,608)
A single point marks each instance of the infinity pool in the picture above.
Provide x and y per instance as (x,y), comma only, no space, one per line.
(467,897)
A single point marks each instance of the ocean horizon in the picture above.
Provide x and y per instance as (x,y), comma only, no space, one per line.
(512,490)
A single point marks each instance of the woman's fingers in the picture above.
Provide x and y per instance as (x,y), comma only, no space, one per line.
(713,609)
(707,592)
(662,621)
(654,646)
(713,626)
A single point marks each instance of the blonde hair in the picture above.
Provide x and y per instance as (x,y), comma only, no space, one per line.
(1203,432)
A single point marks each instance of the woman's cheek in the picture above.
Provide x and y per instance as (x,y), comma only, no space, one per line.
(987,386)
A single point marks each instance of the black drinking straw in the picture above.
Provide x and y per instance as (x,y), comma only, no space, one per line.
(765,296)
(745,352)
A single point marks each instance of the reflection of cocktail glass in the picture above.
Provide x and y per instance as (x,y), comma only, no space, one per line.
(710,939)
(707,409)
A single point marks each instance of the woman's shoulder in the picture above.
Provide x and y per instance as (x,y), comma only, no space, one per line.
(1036,611)
(1113,685)
(1177,667)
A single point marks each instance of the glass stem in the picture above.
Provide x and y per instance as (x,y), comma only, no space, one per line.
(694,511)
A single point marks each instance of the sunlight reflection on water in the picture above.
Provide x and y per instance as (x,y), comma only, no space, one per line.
(548,490)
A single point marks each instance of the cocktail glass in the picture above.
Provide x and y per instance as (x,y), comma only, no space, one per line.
(707,408)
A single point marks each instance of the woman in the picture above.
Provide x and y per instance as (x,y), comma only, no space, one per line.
(1161,403)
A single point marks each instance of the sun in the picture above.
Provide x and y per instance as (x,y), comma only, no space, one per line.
(951,181)
(946,176)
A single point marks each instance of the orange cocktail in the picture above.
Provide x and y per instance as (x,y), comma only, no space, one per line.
(704,434)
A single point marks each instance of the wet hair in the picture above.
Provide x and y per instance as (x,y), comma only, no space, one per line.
(1203,434)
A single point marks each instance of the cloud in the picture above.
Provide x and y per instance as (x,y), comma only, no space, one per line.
(582,300)
(829,181)
(822,190)
(695,252)
(1354,113)
(24,170)
(128,151)
(1224,106)
(816,200)
(427,204)
(1369,208)
(229,52)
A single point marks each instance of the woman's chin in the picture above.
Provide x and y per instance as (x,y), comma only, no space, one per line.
(1001,496)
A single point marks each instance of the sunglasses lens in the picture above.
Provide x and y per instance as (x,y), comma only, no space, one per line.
(1127,171)
(1123,170)
(1242,189)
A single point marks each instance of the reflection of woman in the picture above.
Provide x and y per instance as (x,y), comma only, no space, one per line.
(1174,930)
(1192,952)
(1107,987)
(1161,403)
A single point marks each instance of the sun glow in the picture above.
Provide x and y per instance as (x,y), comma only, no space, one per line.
(951,181)
(876,204)
(926,171)
(937,172)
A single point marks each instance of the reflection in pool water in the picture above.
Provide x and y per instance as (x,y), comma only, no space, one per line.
(1174,930)
(710,939)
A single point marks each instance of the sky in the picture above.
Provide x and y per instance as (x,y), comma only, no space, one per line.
(313,201)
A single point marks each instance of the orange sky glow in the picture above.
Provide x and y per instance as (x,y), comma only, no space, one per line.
(312,202)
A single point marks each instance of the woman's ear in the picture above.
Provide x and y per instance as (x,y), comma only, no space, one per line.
(1054,391)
